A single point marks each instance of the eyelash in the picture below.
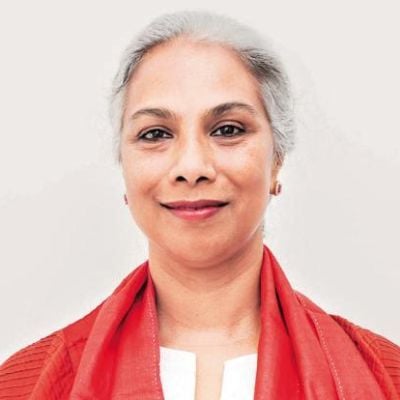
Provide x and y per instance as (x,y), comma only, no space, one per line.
(241,131)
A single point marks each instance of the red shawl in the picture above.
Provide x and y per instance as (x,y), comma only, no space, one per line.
(113,353)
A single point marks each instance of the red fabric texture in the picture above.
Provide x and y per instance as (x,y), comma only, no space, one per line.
(113,352)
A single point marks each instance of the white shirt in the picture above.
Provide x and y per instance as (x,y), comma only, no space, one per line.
(178,375)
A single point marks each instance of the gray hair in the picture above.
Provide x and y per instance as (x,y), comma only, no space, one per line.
(254,50)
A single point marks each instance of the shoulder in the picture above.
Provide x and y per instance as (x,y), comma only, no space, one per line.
(381,355)
(34,371)
(46,369)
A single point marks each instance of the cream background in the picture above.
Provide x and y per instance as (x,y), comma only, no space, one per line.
(67,238)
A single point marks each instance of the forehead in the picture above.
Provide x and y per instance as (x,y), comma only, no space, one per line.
(184,72)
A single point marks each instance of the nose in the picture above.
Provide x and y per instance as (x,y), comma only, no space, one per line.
(193,161)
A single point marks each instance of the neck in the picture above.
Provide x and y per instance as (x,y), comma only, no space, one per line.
(214,304)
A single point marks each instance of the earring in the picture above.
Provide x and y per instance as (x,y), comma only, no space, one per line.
(126,199)
(276,189)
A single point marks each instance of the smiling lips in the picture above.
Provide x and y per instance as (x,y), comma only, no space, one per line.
(195,210)
(198,204)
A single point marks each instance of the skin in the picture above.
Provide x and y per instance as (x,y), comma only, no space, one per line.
(206,273)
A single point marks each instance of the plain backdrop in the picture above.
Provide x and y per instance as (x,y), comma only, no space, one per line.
(67,239)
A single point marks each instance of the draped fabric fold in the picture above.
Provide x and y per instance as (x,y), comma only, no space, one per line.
(301,355)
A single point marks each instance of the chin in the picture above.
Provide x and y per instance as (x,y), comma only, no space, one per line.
(197,248)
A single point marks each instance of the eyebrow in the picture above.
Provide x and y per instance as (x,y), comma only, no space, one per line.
(214,112)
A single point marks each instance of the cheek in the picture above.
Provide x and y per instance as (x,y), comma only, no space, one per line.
(141,172)
(249,170)
(141,175)
(249,167)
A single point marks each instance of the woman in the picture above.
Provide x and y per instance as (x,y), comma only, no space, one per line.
(203,119)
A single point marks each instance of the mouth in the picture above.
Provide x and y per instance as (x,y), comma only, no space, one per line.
(195,211)
(192,208)
(194,205)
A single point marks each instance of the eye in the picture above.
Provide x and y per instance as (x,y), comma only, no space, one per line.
(229,130)
(154,135)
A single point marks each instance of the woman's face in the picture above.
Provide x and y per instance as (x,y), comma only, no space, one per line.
(189,146)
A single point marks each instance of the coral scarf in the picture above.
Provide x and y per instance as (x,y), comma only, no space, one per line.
(301,355)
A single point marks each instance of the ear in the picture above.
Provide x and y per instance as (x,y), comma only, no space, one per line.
(277,164)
